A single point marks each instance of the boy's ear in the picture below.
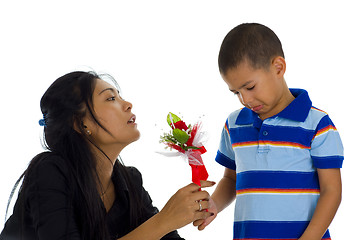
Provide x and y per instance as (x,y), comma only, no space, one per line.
(279,64)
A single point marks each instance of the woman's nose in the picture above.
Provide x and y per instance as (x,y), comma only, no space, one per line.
(128,106)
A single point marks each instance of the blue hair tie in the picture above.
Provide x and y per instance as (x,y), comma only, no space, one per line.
(42,122)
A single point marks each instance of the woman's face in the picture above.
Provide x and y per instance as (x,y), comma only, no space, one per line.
(114,114)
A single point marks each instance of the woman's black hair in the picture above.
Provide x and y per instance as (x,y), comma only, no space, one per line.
(64,105)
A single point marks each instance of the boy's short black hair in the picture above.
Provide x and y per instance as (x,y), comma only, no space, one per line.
(251,42)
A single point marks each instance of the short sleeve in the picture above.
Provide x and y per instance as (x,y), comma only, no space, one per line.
(225,154)
(49,202)
(326,147)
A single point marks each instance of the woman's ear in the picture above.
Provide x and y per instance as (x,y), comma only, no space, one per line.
(79,126)
(279,64)
(87,131)
(81,129)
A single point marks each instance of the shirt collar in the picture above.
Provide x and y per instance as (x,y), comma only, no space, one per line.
(297,110)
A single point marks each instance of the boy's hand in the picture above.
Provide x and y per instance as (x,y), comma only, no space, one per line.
(203,223)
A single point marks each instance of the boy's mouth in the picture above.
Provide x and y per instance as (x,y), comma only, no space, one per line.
(257,108)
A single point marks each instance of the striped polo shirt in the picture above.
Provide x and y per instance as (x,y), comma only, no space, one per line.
(275,161)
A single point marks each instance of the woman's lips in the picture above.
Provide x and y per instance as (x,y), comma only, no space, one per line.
(132,120)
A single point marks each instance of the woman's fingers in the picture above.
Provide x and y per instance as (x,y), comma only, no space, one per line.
(202,205)
(207,184)
(196,192)
(194,187)
(200,195)
(187,205)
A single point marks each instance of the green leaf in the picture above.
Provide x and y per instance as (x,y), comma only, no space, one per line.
(191,147)
(172,118)
(180,135)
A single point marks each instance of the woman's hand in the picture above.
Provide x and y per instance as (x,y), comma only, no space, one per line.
(187,205)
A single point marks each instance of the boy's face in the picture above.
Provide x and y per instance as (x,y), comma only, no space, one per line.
(264,91)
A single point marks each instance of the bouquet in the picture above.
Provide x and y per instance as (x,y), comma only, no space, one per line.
(186,140)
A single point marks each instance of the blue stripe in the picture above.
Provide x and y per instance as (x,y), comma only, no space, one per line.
(271,229)
(328,162)
(243,134)
(324,122)
(288,134)
(274,133)
(277,179)
(225,161)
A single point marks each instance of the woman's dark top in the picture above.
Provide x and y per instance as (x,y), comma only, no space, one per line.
(43,210)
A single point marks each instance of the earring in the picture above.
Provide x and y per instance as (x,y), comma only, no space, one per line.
(87,131)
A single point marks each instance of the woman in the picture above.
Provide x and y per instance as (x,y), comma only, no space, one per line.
(78,189)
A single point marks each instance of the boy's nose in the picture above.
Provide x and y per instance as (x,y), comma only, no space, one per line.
(245,99)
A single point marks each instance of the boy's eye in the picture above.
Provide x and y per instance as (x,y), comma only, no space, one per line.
(235,93)
(250,88)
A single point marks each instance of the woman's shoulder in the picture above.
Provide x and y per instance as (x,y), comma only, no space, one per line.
(47,168)
(134,172)
(46,161)
(121,173)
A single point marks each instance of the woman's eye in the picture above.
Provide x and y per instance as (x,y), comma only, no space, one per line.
(111,99)
(235,93)
(250,88)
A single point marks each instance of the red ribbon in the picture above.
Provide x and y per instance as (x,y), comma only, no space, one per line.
(199,172)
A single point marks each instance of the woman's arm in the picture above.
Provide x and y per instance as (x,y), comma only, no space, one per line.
(181,209)
(327,205)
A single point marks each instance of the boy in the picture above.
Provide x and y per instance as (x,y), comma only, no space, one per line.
(282,157)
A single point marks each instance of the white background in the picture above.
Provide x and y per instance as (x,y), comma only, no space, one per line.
(164,56)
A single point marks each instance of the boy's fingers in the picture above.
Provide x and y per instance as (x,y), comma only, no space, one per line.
(203,215)
(198,222)
(201,227)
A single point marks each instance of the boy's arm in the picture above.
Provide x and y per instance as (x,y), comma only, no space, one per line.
(225,192)
(224,195)
(327,205)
